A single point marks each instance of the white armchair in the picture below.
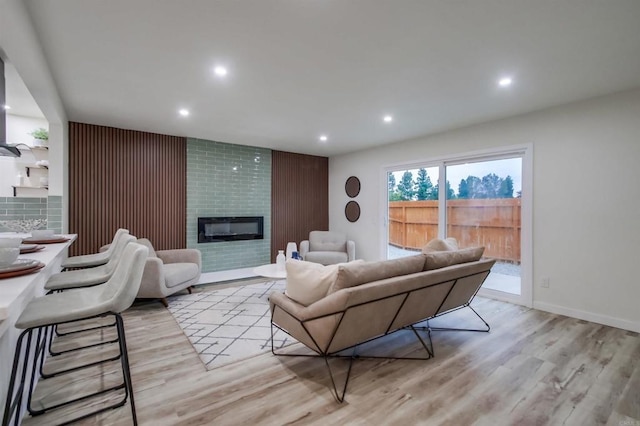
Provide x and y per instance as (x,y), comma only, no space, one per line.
(327,248)
(168,271)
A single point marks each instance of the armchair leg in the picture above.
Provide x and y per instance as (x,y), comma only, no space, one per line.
(165,302)
(190,289)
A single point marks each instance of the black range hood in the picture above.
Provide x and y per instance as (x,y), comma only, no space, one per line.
(6,150)
(9,151)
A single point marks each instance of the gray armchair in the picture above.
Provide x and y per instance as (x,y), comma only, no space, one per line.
(168,271)
(327,248)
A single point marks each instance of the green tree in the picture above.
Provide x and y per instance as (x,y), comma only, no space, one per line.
(491,184)
(405,186)
(451,194)
(391,184)
(424,187)
(506,188)
(394,195)
(475,189)
(463,189)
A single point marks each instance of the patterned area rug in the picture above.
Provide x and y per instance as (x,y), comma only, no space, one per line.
(228,324)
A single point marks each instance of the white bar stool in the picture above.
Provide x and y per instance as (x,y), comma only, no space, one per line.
(90,276)
(96,259)
(85,278)
(115,296)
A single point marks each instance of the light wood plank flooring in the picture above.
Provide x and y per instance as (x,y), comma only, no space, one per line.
(533,368)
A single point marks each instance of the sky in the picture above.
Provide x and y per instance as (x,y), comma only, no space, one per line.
(503,168)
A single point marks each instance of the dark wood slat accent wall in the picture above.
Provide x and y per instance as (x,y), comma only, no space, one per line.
(299,198)
(126,179)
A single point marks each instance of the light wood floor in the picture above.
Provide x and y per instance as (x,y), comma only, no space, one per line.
(533,368)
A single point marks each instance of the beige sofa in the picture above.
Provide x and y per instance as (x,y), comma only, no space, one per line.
(372,299)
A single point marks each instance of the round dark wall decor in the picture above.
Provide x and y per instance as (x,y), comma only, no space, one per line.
(352,211)
(352,186)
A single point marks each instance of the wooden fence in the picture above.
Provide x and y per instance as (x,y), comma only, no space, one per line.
(492,223)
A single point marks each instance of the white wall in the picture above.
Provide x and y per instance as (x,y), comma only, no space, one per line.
(18,129)
(586,200)
(20,44)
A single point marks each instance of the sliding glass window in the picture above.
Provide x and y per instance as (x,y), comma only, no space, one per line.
(475,199)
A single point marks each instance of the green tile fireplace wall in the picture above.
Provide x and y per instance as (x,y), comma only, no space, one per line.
(228,180)
(54,213)
(22,214)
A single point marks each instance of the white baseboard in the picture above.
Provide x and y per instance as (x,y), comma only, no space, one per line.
(232,274)
(588,316)
(516,299)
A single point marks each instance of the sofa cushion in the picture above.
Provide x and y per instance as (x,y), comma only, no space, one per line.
(359,272)
(437,244)
(308,282)
(327,257)
(440,259)
(179,273)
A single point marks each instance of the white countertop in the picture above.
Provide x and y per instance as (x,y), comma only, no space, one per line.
(13,289)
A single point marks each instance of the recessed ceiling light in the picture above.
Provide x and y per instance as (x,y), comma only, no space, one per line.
(505,82)
(183,112)
(323,138)
(387,119)
(220,71)
(6,107)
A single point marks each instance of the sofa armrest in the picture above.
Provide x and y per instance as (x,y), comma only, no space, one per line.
(351,250)
(181,256)
(328,305)
(289,305)
(304,248)
(153,282)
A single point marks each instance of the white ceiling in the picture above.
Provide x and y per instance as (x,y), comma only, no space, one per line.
(302,68)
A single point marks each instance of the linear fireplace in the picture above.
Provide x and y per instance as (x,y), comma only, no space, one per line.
(218,229)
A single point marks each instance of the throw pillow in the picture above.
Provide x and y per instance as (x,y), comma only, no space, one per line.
(441,259)
(437,244)
(308,282)
(359,272)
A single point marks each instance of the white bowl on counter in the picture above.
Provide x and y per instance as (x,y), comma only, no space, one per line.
(8,255)
(10,242)
(42,233)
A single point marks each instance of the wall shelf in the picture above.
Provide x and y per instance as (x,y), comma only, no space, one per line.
(16,187)
(35,148)
(41,153)
(28,168)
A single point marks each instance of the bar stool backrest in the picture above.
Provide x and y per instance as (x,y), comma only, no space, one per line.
(117,252)
(120,291)
(119,233)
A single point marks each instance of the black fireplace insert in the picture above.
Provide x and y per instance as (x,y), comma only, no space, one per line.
(219,229)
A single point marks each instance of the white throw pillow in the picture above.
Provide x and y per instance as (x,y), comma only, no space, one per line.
(450,244)
(308,282)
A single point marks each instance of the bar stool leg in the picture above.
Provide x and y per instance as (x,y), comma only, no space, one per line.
(13,405)
(125,365)
(38,358)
